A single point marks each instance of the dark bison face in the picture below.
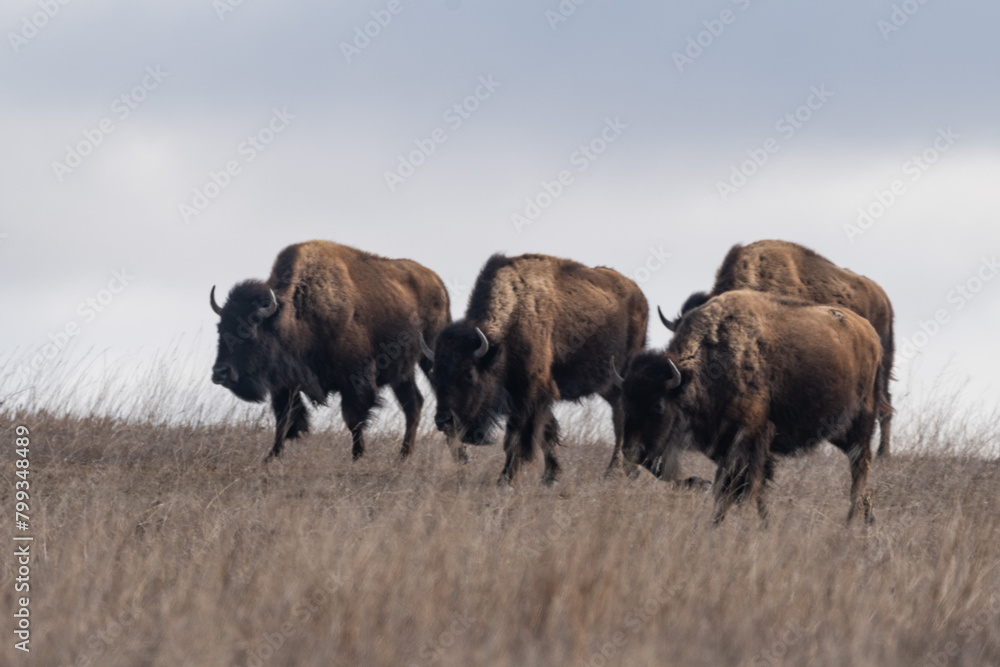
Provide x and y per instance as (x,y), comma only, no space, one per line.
(653,418)
(467,384)
(246,337)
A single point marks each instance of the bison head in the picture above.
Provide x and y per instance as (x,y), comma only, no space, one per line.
(247,339)
(695,300)
(653,416)
(467,382)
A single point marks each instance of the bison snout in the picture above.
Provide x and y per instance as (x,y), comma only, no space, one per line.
(224,374)
(445,421)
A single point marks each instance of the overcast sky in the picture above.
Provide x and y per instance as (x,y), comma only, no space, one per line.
(184,144)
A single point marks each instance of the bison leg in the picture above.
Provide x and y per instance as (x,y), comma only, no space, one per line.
(512,456)
(743,473)
(856,443)
(524,425)
(618,420)
(550,440)
(411,401)
(767,476)
(356,407)
(723,494)
(291,419)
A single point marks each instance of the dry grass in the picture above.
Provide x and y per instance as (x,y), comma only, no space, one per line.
(174,545)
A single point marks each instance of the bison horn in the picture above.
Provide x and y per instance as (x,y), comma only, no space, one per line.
(672,326)
(265,312)
(484,347)
(675,377)
(215,306)
(619,380)
(428,352)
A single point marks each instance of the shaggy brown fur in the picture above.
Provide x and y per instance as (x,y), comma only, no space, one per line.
(347,321)
(553,327)
(788,269)
(761,376)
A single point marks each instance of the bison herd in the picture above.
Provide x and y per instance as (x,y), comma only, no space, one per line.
(786,351)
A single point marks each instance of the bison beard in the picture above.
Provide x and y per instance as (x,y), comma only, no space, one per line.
(329,319)
(788,269)
(749,377)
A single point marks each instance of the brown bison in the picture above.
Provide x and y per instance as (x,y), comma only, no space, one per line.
(750,376)
(538,329)
(329,319)
(788,269)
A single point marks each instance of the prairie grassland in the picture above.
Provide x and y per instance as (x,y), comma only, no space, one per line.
(174,545)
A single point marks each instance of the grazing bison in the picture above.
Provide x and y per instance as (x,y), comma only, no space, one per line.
(750,376)
(329,319)
(538,329)
(788,269)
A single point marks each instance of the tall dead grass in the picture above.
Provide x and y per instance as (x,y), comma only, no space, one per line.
(168,542)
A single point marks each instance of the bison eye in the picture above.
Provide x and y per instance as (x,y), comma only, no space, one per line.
(660,407)
(470,375)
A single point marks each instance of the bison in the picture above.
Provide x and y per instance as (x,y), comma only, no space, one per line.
(788,269)
(538,329)
(330,319)
(750,376)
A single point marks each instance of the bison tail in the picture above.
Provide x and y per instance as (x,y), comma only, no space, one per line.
(889,354)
